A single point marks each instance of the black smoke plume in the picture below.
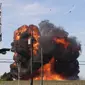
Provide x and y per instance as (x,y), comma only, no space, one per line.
(66,59)
(66,62)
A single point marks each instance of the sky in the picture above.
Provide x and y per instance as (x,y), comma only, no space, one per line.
(69,14)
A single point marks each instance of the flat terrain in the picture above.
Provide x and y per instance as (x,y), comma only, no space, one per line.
(81,82)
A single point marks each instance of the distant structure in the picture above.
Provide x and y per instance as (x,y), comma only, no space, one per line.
(0,23)
(2,50)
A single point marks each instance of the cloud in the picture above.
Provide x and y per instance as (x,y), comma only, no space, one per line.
(37,9)
(18,13)
(6,3)
(29,9)
(78,33)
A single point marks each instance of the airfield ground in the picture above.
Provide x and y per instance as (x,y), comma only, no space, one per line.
(77,82)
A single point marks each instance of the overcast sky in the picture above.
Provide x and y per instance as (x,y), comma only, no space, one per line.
(69,14)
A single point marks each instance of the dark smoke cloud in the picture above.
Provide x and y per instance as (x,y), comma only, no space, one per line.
(48,29)
(66,59)
(66,62)
(48,32)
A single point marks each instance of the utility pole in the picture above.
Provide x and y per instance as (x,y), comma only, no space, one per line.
(41,66)
(32,57)
(30,42)
(31,83)
(0,22)
(19,66)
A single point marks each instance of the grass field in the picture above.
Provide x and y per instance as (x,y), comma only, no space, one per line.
(44,82)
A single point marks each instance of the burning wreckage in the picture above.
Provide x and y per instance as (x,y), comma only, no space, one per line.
(60,53)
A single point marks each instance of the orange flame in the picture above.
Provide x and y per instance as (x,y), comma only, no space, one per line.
(49,73)
(62,41)
(32,29)
(48,69)
(18,32)
(14,64)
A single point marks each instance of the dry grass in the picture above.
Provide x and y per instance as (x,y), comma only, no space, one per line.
(82,82)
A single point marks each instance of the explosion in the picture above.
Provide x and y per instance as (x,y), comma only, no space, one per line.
(49,72)
(60,52)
